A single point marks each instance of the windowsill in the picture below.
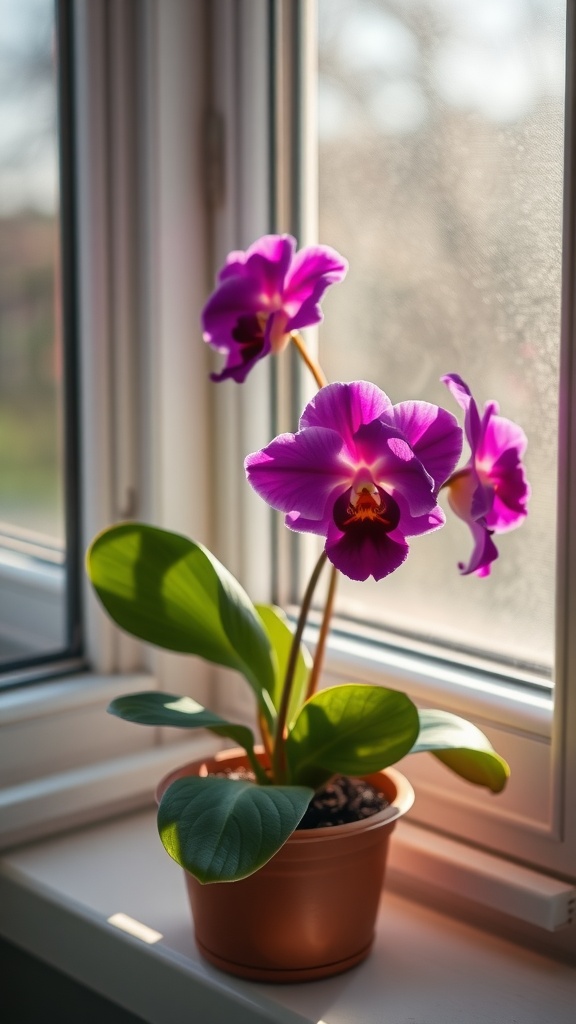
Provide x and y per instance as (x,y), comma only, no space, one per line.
(57,895)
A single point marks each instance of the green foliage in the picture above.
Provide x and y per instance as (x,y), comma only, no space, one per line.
(461,747)
(222,829)
(353,729)
(150,707)
(173,593)
(276,624)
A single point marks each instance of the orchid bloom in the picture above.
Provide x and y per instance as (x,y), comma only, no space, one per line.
(361,472)
(490,493)
(263,295)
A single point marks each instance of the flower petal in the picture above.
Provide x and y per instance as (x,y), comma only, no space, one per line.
(344,408)
(499,435)
(313,270)
(461,392)
(511,492)
(498,458)
(231,300)
(269,250)
(415,526)
(238,366)
(491,492)
(461,496)
(298,472)
(235,265)
(301,524)
(434,435)
(269,259)
(482,499)
(249,343)
(483,554)
(394,466)
(360,553)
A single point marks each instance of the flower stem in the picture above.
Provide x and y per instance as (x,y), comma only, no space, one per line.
(266,737)
(323,636)
(279,756)
(313,366)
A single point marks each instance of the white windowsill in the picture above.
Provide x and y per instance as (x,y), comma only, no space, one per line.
(426,968)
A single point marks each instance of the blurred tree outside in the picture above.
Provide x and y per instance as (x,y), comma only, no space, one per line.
(31,442)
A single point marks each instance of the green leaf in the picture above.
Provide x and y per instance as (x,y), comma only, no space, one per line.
(461,747)
(280,634)
(354,729)
(172,592)
(151,707)
(221,830)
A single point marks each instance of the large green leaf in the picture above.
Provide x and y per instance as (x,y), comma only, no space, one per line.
(150,707)
(354,729)
(461,747)
(222,830)
(276,624)
(172,592)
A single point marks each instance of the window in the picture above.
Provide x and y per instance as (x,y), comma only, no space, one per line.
(39,605)
(441,129)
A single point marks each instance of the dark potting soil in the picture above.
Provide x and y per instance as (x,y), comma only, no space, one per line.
(341,800)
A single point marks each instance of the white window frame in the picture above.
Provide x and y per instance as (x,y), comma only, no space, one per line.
(147,261)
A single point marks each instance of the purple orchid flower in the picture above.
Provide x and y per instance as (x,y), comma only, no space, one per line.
(263,294)
(361,472)
(490,493)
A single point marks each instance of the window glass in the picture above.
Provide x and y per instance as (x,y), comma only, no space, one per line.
(33,618)
(440,176)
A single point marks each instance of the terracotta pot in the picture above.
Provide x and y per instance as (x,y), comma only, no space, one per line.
(310,912)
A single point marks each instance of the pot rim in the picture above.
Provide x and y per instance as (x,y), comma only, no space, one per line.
(399,804)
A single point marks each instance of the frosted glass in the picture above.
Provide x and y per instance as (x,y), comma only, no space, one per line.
(440,177)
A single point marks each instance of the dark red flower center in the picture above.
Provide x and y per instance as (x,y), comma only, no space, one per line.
(369,508)
(249,333)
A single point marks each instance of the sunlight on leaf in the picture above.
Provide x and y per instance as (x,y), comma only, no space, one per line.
(354,729)
(461,747)
(152,707)
(171,592)
(280,634)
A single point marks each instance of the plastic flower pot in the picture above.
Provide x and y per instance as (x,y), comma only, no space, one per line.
(310,912)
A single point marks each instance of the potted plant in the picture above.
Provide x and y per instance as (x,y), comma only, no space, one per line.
(366,475)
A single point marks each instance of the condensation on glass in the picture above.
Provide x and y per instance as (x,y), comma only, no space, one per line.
(440,169)
(32,523)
